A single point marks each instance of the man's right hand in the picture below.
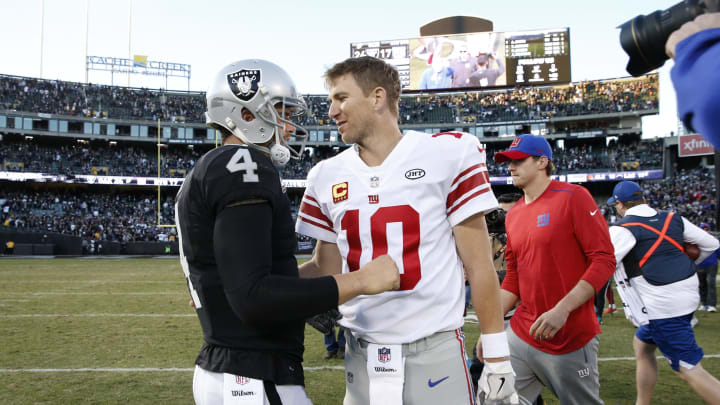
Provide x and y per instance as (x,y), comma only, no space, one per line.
(380,275)
(701,23)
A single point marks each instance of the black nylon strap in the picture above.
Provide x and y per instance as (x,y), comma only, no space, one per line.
(272,394)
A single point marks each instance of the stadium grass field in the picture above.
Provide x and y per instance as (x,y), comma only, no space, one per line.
(112,331)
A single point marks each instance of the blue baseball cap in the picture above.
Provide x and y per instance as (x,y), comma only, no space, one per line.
(524,146)
(626,191)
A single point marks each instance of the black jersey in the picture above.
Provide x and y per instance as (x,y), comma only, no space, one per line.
(237,251)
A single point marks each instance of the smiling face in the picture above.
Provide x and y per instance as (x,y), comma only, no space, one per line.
(352,110)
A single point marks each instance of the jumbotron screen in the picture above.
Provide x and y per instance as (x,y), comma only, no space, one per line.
(485,59)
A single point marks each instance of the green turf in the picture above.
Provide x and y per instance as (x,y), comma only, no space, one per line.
(170,338)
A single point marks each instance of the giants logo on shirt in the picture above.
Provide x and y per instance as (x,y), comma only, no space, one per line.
(543,220)
(340,192)
(384,354)
(241,380)
(373,199)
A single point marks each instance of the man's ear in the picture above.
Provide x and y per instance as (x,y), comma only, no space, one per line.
(380,97)
(543,162)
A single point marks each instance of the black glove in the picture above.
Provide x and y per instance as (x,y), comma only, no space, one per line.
(326,321)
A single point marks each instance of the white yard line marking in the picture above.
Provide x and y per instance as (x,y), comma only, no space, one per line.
(178,282)
(151,370)
(127,370)
(94,315)
(95,293)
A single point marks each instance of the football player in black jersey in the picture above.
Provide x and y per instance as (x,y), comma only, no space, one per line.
(237,243)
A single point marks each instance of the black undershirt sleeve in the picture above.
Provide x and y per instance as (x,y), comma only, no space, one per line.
(242,241)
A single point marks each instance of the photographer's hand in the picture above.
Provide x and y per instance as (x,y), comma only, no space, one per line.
(701,23)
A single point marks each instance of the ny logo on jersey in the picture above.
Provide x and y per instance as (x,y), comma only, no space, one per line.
(373,199)
(340,192)
(384,354)
(543,220)
(241,380)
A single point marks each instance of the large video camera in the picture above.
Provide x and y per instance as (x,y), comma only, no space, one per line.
(643,38)
(495,220)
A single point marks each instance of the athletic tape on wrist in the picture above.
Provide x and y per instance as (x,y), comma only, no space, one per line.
(495,345)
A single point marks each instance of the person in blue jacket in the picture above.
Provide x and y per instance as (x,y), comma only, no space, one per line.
(695,47)
(707,273)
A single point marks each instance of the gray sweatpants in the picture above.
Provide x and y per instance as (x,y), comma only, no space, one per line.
(573,377)
(435,371)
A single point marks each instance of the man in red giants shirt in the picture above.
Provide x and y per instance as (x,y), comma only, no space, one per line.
(559,254)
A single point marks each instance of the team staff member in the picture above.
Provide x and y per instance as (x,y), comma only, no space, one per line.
(421,197)
(237,247)
(649,245)
(558,256)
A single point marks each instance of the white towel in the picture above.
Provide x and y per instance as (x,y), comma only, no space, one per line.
(386,371)
(633,305)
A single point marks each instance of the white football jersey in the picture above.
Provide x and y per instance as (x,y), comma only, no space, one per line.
(406,208)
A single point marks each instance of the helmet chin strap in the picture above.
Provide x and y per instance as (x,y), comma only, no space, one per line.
(279,154)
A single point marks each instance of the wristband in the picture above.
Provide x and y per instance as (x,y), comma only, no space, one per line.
(495,345)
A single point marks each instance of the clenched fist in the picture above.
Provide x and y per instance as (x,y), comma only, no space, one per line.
(380,275)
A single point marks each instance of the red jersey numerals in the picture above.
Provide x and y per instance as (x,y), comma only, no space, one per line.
(410,220)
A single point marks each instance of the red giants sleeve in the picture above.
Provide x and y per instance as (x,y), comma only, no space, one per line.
(592,233)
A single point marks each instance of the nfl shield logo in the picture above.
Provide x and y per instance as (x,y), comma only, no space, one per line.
(384,354)
(244,83)
(241,380)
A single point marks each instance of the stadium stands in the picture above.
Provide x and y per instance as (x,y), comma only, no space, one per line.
(522,103)
(100,157)
(122,214)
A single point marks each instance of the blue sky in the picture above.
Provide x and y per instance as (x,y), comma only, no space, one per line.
(304,37)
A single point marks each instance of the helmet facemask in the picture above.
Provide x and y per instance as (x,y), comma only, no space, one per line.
(266,91)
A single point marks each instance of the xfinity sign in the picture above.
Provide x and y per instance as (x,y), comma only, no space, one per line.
(693,145)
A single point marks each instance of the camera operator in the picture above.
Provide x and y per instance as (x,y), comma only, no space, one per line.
(695,47)
(689,31)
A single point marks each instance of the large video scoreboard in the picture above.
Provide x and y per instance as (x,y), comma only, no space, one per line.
(485,59)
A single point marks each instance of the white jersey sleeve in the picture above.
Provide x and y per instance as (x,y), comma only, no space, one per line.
(313,218)
(470,191)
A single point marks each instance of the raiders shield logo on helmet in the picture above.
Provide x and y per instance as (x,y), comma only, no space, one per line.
(244,83)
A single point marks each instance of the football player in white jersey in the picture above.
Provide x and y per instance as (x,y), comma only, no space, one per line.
(419,198)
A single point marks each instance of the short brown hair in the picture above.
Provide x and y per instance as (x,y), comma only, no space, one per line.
(369,73)
(634,203)
(550,168)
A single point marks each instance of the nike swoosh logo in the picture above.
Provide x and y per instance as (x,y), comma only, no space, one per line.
(593,212)
(432,384)
(502,382)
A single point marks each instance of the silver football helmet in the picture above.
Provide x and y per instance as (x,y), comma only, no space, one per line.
(268,92)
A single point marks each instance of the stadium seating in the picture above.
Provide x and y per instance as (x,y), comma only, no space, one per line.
(522,103)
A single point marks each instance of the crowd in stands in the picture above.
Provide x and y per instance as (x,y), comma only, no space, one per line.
(690,193)
(101,158)
(131,217)
(117,217)
(512,104)
(98,101)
